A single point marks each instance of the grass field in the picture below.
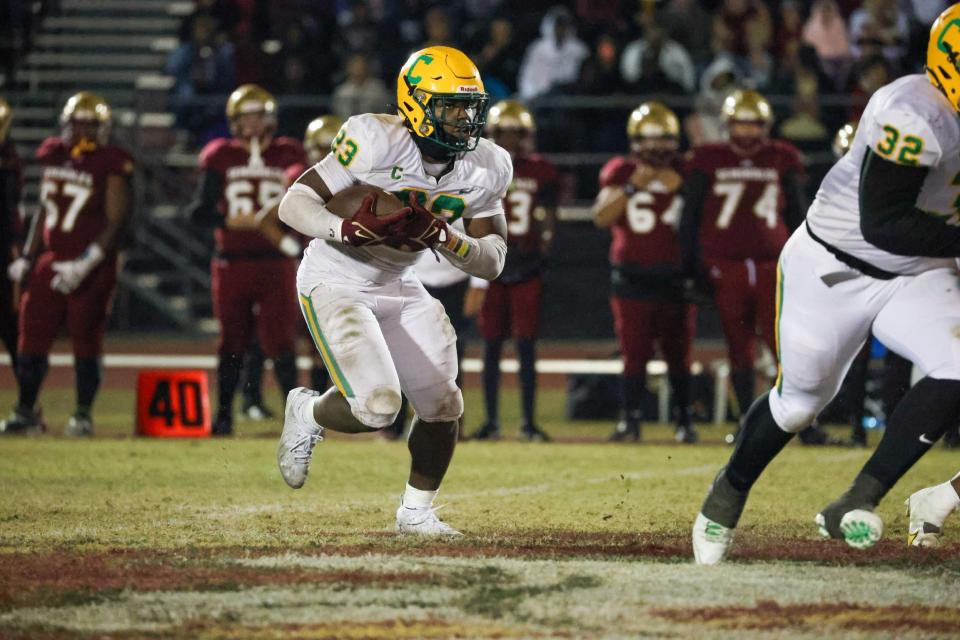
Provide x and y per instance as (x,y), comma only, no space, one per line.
(132,538)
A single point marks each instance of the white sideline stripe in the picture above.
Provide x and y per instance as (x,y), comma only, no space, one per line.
(470,365)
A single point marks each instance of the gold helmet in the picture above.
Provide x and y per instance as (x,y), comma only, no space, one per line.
(319,136)
(654,133)
(250,98)
(510,114)
(745,105)
(6,118)
(653,120)
(89,109)
(943,54)
(844,139)
(441,97)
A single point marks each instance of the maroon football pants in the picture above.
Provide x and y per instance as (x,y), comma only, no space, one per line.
(513,307)
(256,293)
(643,324)
(44,311)
(745,293)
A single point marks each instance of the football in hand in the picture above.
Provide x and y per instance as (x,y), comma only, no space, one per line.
(345,203)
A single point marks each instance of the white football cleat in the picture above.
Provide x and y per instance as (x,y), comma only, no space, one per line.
(861,528)
(298,439)
(711,540)
(927,509)
(423,522)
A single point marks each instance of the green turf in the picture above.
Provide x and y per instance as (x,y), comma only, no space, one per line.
(598,510)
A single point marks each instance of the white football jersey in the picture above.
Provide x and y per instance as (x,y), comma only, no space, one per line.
(377,149)
(908,122)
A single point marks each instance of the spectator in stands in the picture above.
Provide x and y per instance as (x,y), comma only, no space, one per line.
(718,79)
(438,29)
(553,60)
(499,59)
(826,31)
(360,93)
(358,31)
(739,16)
(307,67)
(789,30)
(200,67)
(879,26)
(869,75)
(758,65)
(656,63)
(803,127)
(597,18)
(686,21)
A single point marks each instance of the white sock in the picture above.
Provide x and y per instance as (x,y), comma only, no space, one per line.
(414,498)
(306,413)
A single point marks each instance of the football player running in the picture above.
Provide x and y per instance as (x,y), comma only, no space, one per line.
(878,252)
(376,326)
(69,268)
(243,175)
(640,204)
(512,302)
(742,198)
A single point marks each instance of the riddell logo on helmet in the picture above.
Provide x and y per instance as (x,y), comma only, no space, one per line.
(468,89)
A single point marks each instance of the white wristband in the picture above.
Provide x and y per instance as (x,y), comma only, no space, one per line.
(289,247)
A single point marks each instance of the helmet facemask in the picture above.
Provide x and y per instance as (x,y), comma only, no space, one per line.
(453,121)
(658,152)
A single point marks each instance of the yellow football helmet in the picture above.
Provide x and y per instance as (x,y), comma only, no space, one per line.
(88,108)
(250,98)
(943,54)
(654,133)
(844,139)
(318,139)
(745,105)
(442,99)
(510,114)
(6,118)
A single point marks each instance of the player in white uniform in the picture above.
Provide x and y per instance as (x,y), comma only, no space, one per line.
(878,252)
(374,323)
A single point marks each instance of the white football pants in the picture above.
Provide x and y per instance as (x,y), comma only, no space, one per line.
(826,310)
(377,339)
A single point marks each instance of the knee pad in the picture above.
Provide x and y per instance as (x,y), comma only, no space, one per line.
(379,409)
(445,405)
(794,412)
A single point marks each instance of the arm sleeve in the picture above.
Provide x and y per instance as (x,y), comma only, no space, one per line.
(9,223)
(694,191)
(890,218)
(795,200)
(203,209)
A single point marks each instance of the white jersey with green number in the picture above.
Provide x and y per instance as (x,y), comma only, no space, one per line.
(908,122)
(377,149)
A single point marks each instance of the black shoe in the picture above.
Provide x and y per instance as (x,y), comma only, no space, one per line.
(21,422)
(951,439)
(257,411)
(533,433)
(625,432)
(223,425)
(686,433)
(487,431)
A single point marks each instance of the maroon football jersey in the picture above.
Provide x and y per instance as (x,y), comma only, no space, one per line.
(248,185)
(742,215)
(647,233)
(73,190)
(534,186)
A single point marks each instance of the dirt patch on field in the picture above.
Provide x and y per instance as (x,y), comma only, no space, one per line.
(63,577)
(768,615)
(568,544)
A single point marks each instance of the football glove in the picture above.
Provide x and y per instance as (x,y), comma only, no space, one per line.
(364,228)
(423,228)
(18,269)
(70,273)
